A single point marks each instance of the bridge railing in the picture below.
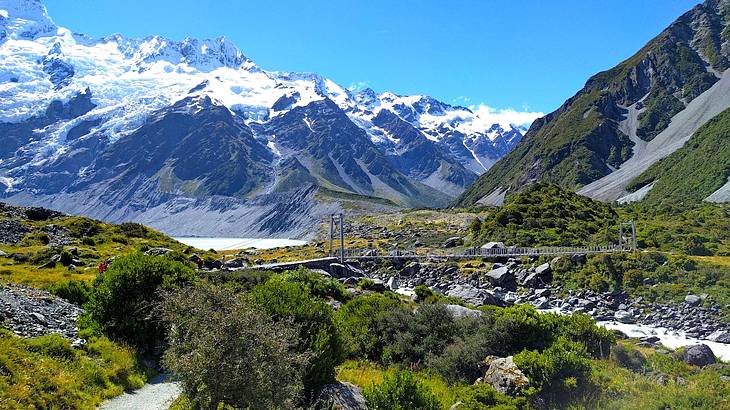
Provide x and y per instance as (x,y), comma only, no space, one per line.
(480,252)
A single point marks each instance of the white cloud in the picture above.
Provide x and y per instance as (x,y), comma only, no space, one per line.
(357,86)
(487,116)
(463,100)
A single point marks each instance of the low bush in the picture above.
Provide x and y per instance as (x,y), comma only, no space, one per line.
(230,351)
(123,298)
(409,337)
(558,372)
(357,320)
(293,302)
(401,391)
(74,291)
(318,285)
(628,357)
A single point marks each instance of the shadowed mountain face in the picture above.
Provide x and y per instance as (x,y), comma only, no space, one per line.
(619,123)
(151,129)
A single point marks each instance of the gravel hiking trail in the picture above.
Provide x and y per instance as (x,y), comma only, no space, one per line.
(157,394)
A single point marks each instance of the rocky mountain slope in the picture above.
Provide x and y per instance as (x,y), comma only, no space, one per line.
(627,118)
(192,137)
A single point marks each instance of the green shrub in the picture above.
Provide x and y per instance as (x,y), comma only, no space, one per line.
(482,396)
(357,320)
(401,391)
(409,337)
(66,258)
(318,334)
(318,286)
(123,298)
(229,351)
(366,284)
(133,230)
(627,357)
(52,345)
(582,329)
(558,372)
(74,291)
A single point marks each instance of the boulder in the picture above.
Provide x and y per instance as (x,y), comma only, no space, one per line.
(624,316)
(692,300)
(342,396)
(541,303)
(236,263)
(452,242)
(392,283)
(532,280)
(500,276)
(720,336)
(698,355)
(504,376)
(338,270)
(412,268)
(460,311)
(472,295)
(158,251)
(3,254)
(494,245)
(543,270)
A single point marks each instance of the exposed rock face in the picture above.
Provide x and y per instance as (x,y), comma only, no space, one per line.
(472,295)
(698,355)
(504,376)
(342,396)
(30,312)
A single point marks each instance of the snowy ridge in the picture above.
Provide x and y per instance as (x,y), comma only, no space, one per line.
(129,79)
(70,105)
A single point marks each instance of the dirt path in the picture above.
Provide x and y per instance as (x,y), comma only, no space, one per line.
(158,394)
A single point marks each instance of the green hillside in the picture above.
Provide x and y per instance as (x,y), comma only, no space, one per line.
(693,172)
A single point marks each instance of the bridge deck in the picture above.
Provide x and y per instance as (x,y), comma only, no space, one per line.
(473,253)
(482,253)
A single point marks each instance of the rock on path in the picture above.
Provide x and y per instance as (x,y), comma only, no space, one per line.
(158,394)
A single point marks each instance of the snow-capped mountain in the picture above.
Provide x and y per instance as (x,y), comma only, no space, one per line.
(126,129)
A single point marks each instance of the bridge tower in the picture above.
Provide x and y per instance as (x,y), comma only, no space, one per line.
(341,223)
(627,235)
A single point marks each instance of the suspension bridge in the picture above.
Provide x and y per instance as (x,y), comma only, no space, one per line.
(626,243)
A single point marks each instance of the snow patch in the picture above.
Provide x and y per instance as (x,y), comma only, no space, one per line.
(721,195)
(636,196)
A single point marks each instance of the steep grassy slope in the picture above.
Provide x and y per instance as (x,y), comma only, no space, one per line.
(693,172)
(547,215)
(581,141)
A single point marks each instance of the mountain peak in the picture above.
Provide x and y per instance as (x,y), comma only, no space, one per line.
(24,19)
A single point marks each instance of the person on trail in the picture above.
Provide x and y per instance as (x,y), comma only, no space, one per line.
(103,265)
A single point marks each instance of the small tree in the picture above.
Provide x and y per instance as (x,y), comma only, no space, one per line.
(228,350)
(123,297)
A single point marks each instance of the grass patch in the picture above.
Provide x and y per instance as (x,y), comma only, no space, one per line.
(46,372)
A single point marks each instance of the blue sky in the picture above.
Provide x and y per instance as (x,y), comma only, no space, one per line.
(525,55)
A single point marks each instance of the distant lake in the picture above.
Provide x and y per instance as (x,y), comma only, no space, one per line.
(227,244)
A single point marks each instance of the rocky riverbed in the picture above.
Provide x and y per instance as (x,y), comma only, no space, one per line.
(30,312)
(513,282)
